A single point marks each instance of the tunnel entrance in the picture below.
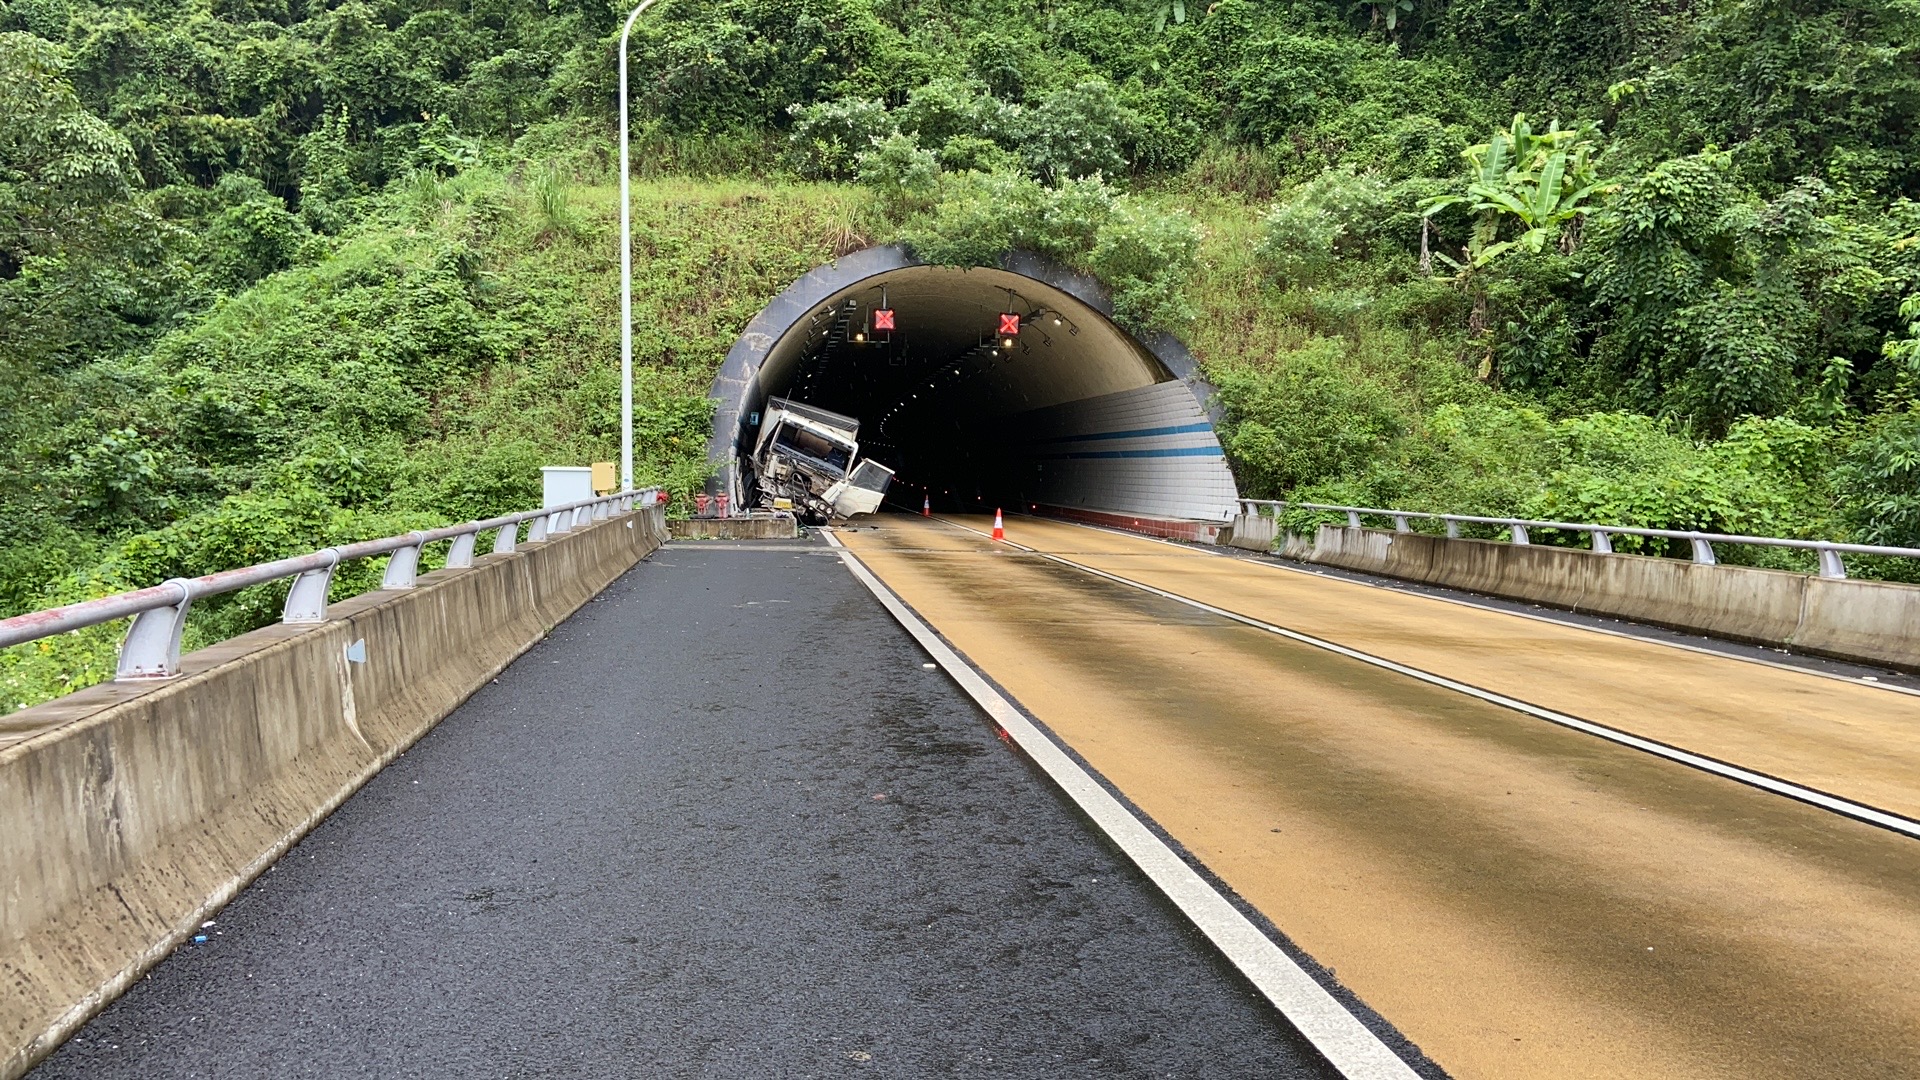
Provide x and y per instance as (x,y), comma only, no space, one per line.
(990,387)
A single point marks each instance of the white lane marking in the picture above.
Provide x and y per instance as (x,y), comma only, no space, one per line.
(1811,796)
(1406,587)
(1355,1052)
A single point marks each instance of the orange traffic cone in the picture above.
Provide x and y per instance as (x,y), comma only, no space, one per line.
(926,506)
(999,526)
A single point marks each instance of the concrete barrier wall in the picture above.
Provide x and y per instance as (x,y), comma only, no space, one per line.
(1252,532)
(1870,621)
(140,809)
(777,526)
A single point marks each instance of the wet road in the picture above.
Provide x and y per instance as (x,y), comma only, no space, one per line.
(722,823)
(1522,900)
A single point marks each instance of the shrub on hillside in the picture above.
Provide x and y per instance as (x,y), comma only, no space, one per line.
(906,178)
(1079,131)
(828,137)
(943,110)
(1303,418)
(1336,214)
(1144,255)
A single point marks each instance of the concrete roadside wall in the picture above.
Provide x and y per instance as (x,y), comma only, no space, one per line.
(776,526)
(1870,621)
(1252,532)
(140,809)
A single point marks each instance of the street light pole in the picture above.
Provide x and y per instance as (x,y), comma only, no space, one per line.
(626,270)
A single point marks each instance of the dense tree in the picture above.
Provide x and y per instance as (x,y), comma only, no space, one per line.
(251,251)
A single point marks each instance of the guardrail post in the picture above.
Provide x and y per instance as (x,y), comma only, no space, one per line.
(558,522)
(1702,551)
(600,510)
(506,538)
(537,531)
(582,515)
(1831,564)
(1353,519)
(403,563)
(1602,543)
(461,553)
(152,646)
(1400,523)
(1520,534)
(307,596)
(1453,529)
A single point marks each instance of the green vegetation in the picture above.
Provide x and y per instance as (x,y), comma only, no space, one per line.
(275,273)
(415,370)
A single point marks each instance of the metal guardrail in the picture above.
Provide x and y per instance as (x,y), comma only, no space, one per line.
(151,649)
(1830,552)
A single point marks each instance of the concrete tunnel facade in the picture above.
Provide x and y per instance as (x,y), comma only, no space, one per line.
(1078,415)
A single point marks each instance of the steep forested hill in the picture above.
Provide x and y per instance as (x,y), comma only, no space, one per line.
(275,273)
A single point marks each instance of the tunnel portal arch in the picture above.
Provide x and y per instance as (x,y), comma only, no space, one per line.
(1077,415)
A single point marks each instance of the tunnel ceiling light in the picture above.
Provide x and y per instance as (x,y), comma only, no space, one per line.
(1006,343)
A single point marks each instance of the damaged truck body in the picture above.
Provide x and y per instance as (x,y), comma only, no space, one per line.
(807,460)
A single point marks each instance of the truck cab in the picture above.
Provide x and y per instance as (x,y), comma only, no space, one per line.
(809,458)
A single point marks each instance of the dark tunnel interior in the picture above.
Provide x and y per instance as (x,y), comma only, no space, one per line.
(963,392)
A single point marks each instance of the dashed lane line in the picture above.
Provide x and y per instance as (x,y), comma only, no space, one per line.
(1811,796)
(1429,591)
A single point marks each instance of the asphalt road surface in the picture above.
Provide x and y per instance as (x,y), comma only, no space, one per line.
(1522,900)
(722,823)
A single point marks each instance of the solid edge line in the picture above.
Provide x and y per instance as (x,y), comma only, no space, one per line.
(1811,796)
(1267,559)
(1402,588)
(1354,1051)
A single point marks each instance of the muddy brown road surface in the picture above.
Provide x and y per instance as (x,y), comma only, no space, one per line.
(1522,900)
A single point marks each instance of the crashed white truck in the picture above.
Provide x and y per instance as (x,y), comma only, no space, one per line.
(808,460)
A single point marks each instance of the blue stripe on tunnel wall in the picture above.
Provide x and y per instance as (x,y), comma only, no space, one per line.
(1137,433)
(1176,451)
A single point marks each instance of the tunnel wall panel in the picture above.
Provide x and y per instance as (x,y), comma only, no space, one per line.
(1149,451)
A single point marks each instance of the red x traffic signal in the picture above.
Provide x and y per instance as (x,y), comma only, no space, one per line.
(1009,324)
(883,318)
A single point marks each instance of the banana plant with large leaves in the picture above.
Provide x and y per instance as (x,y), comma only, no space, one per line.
(1539,183)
